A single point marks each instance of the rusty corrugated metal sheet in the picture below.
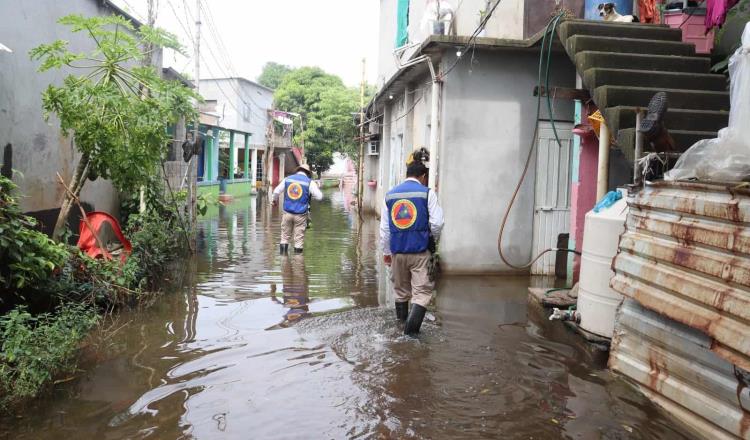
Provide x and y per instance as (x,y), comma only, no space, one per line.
(674,366)
(685,254)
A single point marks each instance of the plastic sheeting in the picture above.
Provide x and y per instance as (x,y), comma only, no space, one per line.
(726,158)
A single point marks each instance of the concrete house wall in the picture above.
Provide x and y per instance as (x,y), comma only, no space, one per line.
(487,124)
(39,149)
(487,118)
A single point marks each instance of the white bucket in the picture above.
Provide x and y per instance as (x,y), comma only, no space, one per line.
(597,302)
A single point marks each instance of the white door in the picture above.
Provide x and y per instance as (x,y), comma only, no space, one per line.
(552,192)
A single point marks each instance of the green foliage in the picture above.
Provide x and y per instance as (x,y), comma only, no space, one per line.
(203,201)
(27,256)
(117,111)
(37,349)
(327,107)
(156,240)
(273,74)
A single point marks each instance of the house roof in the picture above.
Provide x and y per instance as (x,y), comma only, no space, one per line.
(170,73)
(437,44)
(239,78)
(119,11)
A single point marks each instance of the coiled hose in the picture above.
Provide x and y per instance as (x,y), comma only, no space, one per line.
(549,35)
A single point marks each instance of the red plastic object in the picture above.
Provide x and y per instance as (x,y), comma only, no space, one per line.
(87,241)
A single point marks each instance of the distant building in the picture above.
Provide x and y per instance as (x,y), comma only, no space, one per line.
(238,140)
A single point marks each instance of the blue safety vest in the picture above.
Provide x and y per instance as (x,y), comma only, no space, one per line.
(296,193)
(408,217)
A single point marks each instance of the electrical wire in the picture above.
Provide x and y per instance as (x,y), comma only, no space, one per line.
(472,39)
(549,31)
(221,46)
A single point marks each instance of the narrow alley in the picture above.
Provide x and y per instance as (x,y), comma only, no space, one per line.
(306,346)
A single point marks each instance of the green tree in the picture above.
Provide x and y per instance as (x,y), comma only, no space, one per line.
(117,110)
(327,107)
(273,74)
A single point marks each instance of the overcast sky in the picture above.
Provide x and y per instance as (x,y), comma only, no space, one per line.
(332,34)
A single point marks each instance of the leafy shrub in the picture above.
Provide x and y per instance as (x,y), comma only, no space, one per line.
(27,256)
(37,349)
(156,240)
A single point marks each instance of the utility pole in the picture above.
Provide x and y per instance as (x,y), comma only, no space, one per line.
(360,172)
(192,181)
(302,141)
(148,57)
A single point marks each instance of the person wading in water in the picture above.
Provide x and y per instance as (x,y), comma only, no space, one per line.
(298,189)
(410,222)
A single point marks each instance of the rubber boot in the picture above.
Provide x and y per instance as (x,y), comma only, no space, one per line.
(298,250)
(283,249)
(402,310)
(414,321)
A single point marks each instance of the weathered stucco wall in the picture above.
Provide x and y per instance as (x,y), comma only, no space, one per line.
(487,122)
(39,148)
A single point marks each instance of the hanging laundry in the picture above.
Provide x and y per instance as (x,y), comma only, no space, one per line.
(648,11)
(716,12)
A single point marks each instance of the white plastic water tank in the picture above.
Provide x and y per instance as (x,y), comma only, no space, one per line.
(597,302)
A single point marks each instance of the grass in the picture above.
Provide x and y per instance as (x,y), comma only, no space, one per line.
(36,349)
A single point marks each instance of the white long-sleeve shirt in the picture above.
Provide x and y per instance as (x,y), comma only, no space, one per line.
(435,213)
(315,192)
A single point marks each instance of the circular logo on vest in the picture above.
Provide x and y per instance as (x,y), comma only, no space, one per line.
(294,191)
(403,214)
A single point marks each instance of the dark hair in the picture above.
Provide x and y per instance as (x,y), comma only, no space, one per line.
(416,169)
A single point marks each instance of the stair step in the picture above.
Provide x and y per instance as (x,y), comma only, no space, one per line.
(613,96)
(608,60)
(619,118)
(578,43)
(597,77)
(569,28)
(683,138)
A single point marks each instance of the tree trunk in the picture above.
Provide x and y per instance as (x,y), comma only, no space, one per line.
(76,185)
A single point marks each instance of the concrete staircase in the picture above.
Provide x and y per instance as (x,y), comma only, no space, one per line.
(624,64)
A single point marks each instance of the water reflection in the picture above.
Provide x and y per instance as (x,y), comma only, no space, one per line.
(256,345)
(294,290)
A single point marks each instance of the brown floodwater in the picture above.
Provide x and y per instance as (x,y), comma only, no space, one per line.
(252,345)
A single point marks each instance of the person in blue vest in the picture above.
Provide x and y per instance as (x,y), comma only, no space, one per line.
(298,189)
(411,220)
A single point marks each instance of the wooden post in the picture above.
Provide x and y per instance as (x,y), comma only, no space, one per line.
(302,136)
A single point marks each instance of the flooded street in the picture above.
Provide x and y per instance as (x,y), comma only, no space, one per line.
(255,345)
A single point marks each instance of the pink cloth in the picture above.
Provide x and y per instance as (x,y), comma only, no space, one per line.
(716,12)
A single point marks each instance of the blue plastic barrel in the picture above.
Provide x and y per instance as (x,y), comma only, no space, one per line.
(623,7)
(222,185)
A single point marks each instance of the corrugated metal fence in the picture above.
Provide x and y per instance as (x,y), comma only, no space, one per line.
(685,255)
